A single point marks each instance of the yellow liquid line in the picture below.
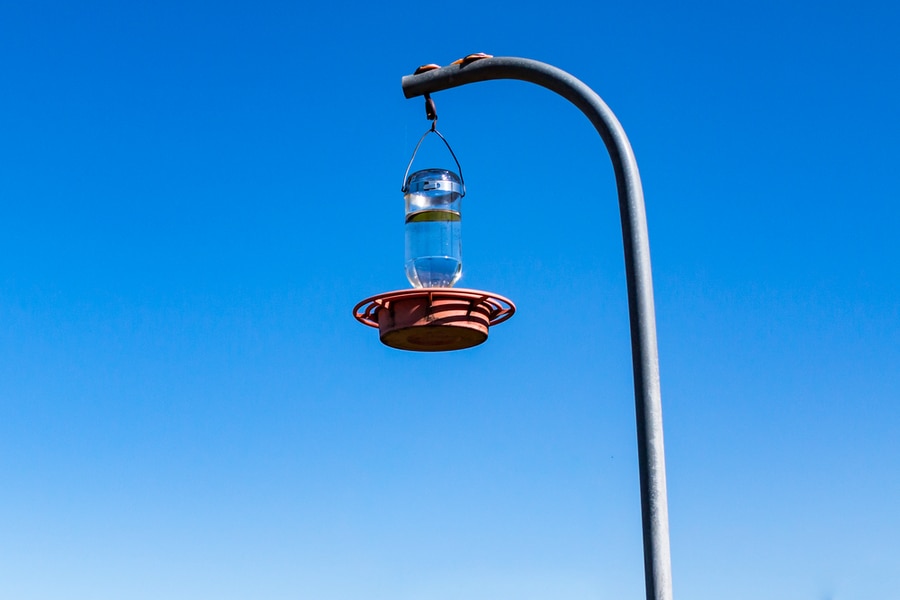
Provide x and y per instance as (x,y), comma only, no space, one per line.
(423,216)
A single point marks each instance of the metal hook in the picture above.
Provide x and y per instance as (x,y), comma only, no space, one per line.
(430,109)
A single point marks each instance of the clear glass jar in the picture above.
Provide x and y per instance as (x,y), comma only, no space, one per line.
(433,220)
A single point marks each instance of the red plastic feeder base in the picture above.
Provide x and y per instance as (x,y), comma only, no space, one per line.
(433,319)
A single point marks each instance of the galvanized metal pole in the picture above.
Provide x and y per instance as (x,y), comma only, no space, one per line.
(651,457)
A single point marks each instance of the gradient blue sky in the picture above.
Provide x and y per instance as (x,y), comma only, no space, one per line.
(193,196)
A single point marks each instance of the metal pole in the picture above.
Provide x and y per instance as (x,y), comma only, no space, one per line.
(648,407)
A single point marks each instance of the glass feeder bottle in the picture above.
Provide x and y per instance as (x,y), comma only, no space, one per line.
(433,222)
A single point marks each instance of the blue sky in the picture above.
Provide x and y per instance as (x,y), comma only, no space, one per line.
(194,195)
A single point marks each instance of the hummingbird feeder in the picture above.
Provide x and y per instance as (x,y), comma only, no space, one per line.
(433,316)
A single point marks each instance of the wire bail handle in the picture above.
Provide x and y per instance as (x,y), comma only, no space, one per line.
(405,187)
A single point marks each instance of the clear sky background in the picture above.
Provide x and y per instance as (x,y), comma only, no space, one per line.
(194,195)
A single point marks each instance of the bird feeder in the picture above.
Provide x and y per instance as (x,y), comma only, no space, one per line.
(433,316)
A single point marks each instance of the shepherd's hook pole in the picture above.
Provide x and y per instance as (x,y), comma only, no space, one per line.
(648,408)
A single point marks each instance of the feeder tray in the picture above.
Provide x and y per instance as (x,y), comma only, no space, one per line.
(433,319)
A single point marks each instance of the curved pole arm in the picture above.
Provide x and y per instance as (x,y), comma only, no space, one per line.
(651,457)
